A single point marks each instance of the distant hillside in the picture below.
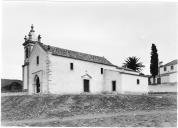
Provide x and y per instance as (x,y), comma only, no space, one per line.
(11,85)
(5,82)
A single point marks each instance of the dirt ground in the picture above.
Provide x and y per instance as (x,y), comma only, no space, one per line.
(158,110)
(122,119)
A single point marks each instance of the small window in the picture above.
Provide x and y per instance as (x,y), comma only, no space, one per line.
(172,67)
(138,81)
(37,60)
(26,52)
(71,66)
(113,85)
(164,68)
(101,70)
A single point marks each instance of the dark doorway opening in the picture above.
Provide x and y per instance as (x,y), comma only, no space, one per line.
(37,84)
(158,80)
(113,85)
(86,85)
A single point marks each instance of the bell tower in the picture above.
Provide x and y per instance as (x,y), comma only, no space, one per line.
(28,45)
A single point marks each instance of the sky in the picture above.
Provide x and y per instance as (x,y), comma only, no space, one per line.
(115,30)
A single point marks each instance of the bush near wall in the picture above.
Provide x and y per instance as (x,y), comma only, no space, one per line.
(11,85)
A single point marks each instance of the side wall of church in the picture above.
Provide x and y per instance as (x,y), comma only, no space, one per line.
(130,85)
(39,70)
(63,80)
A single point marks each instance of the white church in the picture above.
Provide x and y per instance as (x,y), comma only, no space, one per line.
(52,70)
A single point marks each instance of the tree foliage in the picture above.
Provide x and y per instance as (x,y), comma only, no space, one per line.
(133,63)
(154,61)
(12,87)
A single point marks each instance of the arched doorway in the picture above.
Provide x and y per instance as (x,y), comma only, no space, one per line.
(37,84)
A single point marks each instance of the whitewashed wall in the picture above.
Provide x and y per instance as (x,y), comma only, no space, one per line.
(165,79)
(168,69)
(129,84)
(163,88)
(109,76)
(62,80)
(40,69)
(173,77)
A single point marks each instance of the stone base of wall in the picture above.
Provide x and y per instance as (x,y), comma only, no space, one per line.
(135,93)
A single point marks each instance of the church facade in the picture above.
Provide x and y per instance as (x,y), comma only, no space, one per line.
(52,70)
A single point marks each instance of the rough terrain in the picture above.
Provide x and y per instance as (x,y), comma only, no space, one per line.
(90,110)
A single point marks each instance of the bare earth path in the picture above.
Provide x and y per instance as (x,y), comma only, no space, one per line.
(87,116)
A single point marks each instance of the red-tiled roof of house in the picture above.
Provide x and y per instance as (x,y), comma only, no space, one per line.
(75,55)
(171,63)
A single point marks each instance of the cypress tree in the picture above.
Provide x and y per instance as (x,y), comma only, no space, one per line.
(154,62)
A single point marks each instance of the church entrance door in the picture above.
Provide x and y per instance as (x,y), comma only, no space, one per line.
(86,85)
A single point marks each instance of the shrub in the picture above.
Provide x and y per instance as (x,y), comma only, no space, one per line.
(13,87)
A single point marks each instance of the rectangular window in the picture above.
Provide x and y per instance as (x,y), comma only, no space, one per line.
(101,70)
(71,66)
(113,85)
(37,60)
(172,67)
(164,68)
(138,81)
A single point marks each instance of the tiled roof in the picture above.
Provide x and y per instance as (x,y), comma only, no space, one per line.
(75,55)
(171,63)
(127,69)
(134,74)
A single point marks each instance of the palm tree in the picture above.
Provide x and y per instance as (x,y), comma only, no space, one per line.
(133,63)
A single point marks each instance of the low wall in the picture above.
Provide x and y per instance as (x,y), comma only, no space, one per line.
(163,88)
(14,93)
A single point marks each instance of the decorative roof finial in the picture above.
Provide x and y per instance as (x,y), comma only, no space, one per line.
(25,38)
(39,38)
(32,28)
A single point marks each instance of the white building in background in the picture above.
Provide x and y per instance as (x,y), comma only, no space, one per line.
(48,69)
(168,72)
(166,80)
